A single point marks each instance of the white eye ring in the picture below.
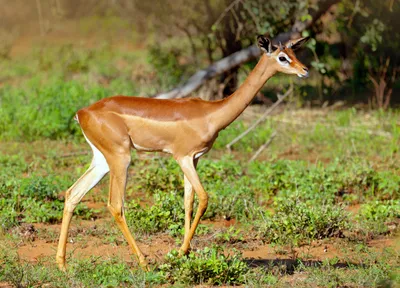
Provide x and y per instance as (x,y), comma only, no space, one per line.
(283,62)
(283,59)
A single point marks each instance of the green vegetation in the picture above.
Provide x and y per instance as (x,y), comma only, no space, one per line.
(209,266)
(297,223)
(351,198)
(319,207)
(32,199)
(375,216)
(166,214)
(83,273)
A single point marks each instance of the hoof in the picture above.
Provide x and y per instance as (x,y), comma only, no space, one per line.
(183,252)
(62,266)
(61,263)
(144,265)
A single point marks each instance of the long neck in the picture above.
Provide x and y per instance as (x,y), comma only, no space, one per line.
(234,105)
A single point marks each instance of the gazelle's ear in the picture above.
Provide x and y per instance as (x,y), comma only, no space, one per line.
(296,44)
(265,44)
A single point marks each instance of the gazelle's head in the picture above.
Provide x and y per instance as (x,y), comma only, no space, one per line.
(284,56)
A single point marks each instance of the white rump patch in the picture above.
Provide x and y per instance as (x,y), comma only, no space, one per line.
(99,161)
(98,168)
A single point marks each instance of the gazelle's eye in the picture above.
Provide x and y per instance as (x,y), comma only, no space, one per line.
(283,59)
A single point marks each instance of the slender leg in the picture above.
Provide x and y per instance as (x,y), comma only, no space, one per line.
(74,195)
(188,168)
(188,200)
(118,176)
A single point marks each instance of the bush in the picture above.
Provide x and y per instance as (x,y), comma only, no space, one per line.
(297,222)
(208,266)
(373,217)
(34,199)
(166,214)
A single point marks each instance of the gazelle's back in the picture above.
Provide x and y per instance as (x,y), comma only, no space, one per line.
(154,109)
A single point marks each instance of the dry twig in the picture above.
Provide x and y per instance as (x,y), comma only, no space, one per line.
(262,147)
(262,118)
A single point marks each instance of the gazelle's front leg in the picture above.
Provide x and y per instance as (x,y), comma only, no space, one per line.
(188,167)
(188,200)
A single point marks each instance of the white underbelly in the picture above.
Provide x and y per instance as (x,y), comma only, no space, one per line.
(199,154)
(146,149)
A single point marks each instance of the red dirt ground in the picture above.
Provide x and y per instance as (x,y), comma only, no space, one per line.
(157,245)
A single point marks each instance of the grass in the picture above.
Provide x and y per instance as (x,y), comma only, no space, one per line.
(285,203)
(329,179)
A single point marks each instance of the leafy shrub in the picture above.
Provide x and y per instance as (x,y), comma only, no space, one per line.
(297,222)
(231,194)
(233,201)
(167,213)
(39,188)
(387,185)
(231,235)
(374,216)
(208,266)
(164,174)
(33,199)
(224,169)
(106,273)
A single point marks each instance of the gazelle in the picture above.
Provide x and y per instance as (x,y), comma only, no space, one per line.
(185,128)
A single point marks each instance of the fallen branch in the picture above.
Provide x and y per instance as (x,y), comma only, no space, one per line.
(262,147)
(242,56)
(211,71)
(259,120)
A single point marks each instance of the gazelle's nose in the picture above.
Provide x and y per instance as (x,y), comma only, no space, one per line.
(305,69)
(304,74)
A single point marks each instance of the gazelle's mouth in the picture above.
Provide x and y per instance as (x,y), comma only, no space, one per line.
(305,75)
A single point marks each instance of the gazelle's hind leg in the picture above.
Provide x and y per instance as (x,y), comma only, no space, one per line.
(74,195)
(188,201)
